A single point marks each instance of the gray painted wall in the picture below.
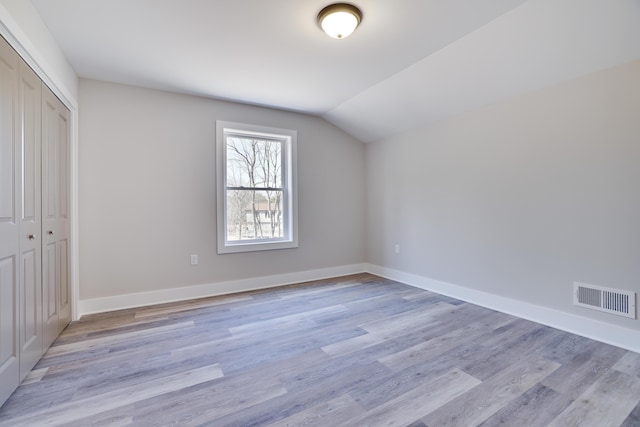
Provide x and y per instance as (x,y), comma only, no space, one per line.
(520,198)
(147,192)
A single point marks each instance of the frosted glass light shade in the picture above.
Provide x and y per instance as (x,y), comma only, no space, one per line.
(339,20)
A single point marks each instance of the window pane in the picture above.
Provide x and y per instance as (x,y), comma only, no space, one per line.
(253,162)
(254,215)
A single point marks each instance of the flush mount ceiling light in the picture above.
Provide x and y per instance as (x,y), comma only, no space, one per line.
(339,20)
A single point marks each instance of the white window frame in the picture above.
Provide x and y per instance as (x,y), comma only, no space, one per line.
(289,184)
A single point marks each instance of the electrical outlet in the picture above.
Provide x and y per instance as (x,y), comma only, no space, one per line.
(194,259)
(396,248)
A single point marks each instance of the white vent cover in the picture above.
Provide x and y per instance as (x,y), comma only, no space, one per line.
(614,301)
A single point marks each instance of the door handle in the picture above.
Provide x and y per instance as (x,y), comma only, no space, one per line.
(31,236)
(50,232)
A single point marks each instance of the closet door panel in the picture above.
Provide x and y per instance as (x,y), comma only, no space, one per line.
(9,353)
(9,223)
(55,225)
(63,220)
(64,291)
(64,139)
(31,313)
(50,306)
(31,333)
(49,217)
(49,157)
(8,98)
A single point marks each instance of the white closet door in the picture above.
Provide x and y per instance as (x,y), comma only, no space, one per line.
(35,298)
(9,223)
(55,208)
(31,337)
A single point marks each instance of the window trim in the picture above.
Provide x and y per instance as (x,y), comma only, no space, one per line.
(289,183)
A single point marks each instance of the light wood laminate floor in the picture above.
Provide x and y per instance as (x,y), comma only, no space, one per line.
(352,351)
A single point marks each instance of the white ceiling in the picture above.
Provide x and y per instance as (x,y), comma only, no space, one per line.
(411,62)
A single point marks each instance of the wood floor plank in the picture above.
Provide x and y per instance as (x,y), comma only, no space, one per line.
(35,376)
(306,390)
(537,407)
(428,349)
(85,407)
(420,401)
(584,369)
(201,409)
(510,331)
(565,347)
(338,411)
(173,308)
(227,396)
(284,322)
(608,402)
(332,372)
(401,322)
(320,287)
(78,331)
(633,420)
(629,363)
(105,420)
(383,388)
(499,357)
(350,345)
(294,343)
(353,351)
(88,345)
(483,401)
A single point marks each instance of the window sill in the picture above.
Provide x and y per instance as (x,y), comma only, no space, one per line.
(233,248)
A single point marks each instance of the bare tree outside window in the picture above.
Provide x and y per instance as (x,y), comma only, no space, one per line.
(254,188)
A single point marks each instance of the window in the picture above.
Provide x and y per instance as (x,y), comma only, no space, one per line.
(256,186)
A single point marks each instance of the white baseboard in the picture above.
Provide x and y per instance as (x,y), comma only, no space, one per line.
(604,332)
(119,302)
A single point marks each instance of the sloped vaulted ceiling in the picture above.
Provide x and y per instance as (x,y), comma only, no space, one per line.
(411,62)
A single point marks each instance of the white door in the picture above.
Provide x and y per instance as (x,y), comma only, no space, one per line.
(9,223)
(55,215)
(31,333)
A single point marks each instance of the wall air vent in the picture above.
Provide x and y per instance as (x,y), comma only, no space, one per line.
(614,301)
